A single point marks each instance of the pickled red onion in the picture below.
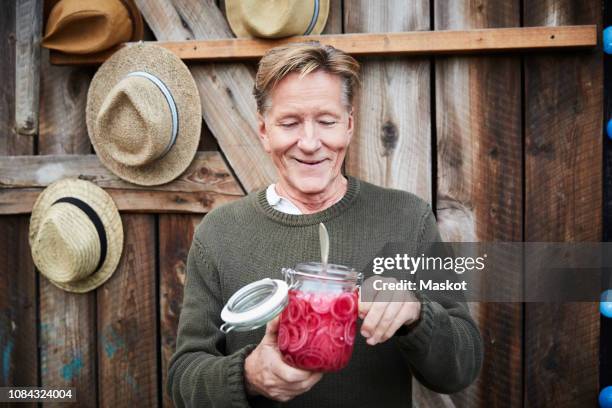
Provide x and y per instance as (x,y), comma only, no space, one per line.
(298,336)
(283,338)
(343,307)
(317,330)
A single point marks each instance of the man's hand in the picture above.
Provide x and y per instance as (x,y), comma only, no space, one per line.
(267,374)
(387,313)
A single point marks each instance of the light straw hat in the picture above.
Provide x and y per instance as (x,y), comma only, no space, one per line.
(276,18)
(91,26)
(144,115)
(76,236)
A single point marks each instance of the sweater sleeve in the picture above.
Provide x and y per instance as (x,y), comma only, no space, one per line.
(200,374)
(444,349)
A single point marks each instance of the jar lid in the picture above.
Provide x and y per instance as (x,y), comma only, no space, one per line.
(254,305)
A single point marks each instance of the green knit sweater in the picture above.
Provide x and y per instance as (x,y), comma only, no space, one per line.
(248,240)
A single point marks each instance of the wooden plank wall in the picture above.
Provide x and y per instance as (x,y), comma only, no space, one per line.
(465,133)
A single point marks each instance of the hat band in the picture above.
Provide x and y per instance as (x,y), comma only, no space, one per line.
(315,17)
(95,219)
(171,104)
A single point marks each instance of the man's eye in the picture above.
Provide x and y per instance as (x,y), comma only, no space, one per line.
(327,123)
(288,125)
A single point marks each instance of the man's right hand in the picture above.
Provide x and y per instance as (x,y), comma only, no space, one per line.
(267,374)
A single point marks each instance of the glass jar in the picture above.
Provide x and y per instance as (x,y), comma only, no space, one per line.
(317,327)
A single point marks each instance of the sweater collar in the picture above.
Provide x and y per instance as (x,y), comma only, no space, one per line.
(352,191)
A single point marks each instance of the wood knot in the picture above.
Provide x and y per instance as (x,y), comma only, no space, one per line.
(389,137)
(203,172)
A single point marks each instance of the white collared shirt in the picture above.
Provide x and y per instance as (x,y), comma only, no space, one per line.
(279,203)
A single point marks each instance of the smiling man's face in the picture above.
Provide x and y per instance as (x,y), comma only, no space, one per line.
(307,130)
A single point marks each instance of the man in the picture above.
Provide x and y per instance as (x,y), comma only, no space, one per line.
(304,95)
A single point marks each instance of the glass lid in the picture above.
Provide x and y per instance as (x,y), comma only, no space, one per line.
(254,305)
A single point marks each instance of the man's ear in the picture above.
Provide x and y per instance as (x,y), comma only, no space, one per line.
(350,125)
(262,132)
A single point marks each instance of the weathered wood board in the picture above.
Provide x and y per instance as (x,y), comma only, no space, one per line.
(127,321)
(27,69)
(563,199)
(391,145)
(206,183)
(63,98)
(18,334)
(175,235)
(479,195)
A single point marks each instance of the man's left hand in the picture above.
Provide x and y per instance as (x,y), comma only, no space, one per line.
(387,313)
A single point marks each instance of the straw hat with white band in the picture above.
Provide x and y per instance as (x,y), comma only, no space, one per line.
(276,18)
(144,115)
(76,235)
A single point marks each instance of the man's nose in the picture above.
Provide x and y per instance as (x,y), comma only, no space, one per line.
(309,140)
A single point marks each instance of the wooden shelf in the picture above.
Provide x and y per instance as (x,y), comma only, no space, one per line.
(383,44)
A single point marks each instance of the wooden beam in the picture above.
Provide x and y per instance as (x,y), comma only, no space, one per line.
(381,44)
(27,66)
(206,184)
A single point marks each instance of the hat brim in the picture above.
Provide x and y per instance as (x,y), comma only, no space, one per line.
(176,76)
(236,20)
(106,209)
(138,24)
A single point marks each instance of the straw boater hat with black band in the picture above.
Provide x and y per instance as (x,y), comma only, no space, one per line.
(276,18)
(76,236)
(144,115)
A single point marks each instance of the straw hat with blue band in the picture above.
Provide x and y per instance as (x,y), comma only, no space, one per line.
(276,18)
(144,115)
(76,235)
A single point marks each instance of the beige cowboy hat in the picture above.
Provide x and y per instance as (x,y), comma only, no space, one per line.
(276,18)
(76,236)
(91,26)
(143,115)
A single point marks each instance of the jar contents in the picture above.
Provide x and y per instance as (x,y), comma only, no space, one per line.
(317,329)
